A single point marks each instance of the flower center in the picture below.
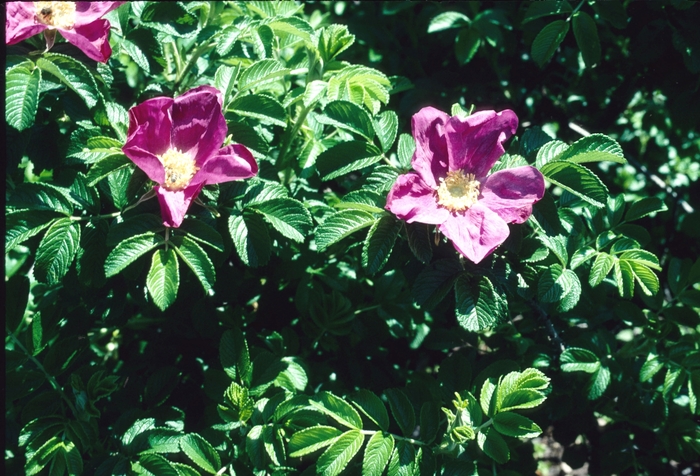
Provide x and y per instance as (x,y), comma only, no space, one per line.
(458,191)
(57,14)
(179,169)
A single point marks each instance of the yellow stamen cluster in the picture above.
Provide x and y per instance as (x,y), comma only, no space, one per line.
(179,169)
(57,14)
(458,191)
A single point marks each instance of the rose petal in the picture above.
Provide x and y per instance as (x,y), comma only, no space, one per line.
(174,204)
(476,232)
(233,162)
(91,38)
(20,23)
(411,199)
(199,126)
(430,158)
(149,135)
(88,12)
(511,192)
(475,143)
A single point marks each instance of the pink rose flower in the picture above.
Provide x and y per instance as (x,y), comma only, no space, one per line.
(80,23)
(451,187)
(176,142)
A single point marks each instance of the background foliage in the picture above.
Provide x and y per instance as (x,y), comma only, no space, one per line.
(293,325)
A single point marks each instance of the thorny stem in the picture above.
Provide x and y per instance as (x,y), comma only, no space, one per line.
(288,138)
(49,377)
(553,334)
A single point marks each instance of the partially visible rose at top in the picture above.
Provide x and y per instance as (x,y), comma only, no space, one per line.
(80,23)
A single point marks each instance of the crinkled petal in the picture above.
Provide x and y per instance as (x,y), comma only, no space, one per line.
(149,135)
(174,204)
(411,199)
(88,12)
(20,23)
(430,158)
(91,38)
(233,162)
(510,193)
(199,126)
(476,232)
(475,142)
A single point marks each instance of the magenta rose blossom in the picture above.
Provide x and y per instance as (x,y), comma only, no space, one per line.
(177,143)
(80,23)
(451,186)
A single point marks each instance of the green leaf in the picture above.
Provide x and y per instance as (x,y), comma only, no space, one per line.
(377,454)
(333,40)
(435,281)
(342,224)
(42,456)
(532,139)
(156,464)
(601,267)
(22,225)
(493,445)
(372,406)
(642,257)
(203,233)
(521,399)
(201,452)
(172,19)
(92,254)
(129,250)
(405,150)
(467,44)
(650,368)
(73,74)
(288,216)
(447,20)
(403,459)
(542,9)
(40,196)
(312,439)
(549,151)
(106,166)
(593,148)
(348,116)
(57,250)
(577,180)
(379,243)
(600,381)
(338,455)
(254,446)
(346,157)
(338,409)
(225,76)
(198,261)
(402,409)
(419,241)
(572,290)
(548,40)
(22,95)
(234,356)
(261,73)
(429,422)
(518,426)
(645,206)
(386,125)
(263,108)
(624,277)
(576,359)
(135,53)
(251,239)
(645,277)
(478,306)
(586,34)
(163,278)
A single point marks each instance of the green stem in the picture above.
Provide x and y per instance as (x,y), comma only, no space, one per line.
(49,377)
(287,141)
(182,74)
(578,7)
(396,437)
